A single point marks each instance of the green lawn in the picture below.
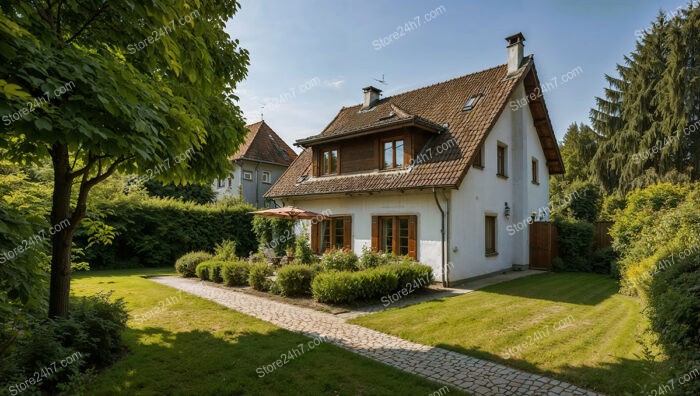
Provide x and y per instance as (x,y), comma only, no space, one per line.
(596,347)
(198,347)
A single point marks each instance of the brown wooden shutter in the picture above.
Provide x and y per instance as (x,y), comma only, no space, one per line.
(407,149)
(314,162)
(412,233)
(375,233)
(347,232)
(314,236)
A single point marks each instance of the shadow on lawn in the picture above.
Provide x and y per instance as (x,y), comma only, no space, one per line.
(621,378)
(230,363)
(568,287)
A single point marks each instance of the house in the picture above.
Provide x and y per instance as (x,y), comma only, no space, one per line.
(259,161)
(438,173)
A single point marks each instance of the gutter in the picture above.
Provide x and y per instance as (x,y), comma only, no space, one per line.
(445,278)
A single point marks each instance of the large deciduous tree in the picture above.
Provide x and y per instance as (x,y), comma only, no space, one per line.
(101,86)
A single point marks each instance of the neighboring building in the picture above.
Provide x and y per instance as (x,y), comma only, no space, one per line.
(441,173)
(260,161)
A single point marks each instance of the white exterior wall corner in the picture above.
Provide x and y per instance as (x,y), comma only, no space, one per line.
(482,192)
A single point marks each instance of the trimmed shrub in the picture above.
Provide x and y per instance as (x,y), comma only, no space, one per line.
(575,240)
(295,279)
(335,287)
(202,270)
(225,251)
(257,276)
(411,272)
(376,282)
(235,273)
(347,286)
(340,260)
(187,264)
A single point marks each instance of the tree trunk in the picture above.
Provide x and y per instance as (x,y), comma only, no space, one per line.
(61,241)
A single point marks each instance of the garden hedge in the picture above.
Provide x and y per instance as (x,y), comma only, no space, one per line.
(348,286)
(155,232)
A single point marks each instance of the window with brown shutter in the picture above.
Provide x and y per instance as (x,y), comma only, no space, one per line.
(490,235)
(502,160)
(395,234)
(332,233)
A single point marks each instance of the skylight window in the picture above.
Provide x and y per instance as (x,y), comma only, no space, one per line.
(472,102)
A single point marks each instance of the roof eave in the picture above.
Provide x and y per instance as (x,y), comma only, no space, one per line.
(412,121)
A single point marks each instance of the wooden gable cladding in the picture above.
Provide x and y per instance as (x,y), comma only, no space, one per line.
(364,154)
(543,125)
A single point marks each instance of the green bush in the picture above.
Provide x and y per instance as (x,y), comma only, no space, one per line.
(209,270)
(153,231)
(295,279)
(657,221)
(335,287)
(257,277)
(371,259)
(375,282)
(303,252)
(187,264)
(91,337)
(235,273)
(674,301)
(575,241)
(225,251)
(410,271)
(347,286)
(604,261)
(340,260)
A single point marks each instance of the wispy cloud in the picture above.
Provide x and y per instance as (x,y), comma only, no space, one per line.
(336,83)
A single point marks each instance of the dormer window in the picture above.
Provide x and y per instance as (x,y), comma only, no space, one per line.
(329,162)
(472,102)
(392,154)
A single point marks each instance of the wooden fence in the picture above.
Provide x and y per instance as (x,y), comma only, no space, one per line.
(543,242)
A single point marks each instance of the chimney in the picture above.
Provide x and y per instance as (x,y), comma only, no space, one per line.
(515,51)
(371,97)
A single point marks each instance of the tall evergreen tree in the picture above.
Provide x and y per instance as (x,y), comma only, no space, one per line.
(646,119)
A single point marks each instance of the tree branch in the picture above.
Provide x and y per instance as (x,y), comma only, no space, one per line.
(88,183)
(89,21)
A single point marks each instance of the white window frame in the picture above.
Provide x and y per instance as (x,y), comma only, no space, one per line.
(248,175)
(266,177)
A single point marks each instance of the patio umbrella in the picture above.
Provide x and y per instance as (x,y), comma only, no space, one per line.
(289,212)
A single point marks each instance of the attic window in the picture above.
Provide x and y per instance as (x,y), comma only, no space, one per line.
(472,102)
(386,117)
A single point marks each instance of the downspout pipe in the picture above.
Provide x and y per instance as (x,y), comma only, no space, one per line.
(448,265)
(257,185)
(442,232)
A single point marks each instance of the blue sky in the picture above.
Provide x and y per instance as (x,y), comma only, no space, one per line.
(309,58)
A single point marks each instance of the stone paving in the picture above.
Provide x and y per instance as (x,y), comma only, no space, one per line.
(473,375)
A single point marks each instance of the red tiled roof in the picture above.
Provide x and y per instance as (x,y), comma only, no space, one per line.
(441,104)
(263,144)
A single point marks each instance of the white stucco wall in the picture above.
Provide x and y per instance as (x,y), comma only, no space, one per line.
(483,192)
(362,208)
